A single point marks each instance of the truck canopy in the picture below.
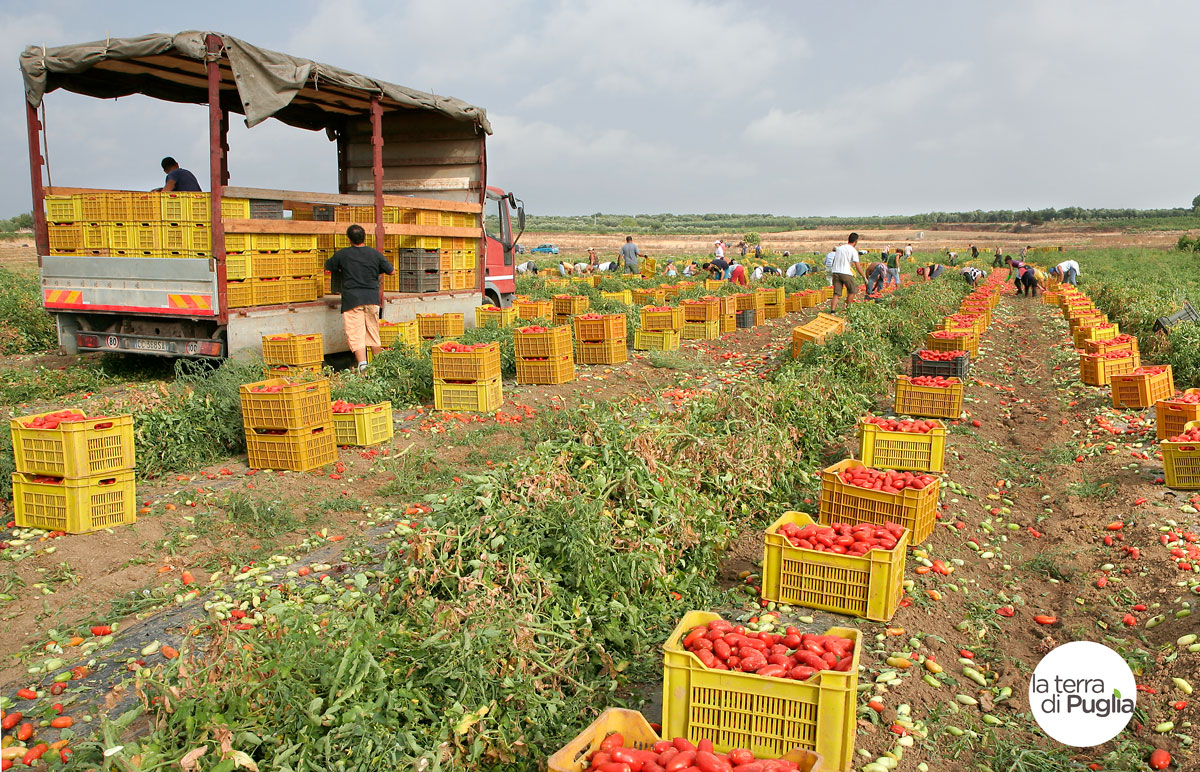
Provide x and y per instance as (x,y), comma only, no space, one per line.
(255,82)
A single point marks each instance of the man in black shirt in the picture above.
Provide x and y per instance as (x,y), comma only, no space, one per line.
(180,180)
(360,267)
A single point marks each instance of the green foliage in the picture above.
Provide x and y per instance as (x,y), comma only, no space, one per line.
(1186,243)
(25,327)
(23,221)
(399,375)
(752,238)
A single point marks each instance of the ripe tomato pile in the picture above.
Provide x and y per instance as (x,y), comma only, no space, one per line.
(263,388)
(967,320)
(1151,370)
(52,420)
(658,308)
(908,425)
(533,328)
(341,406)
(44,480)
(1112,355)
(463,348)
(888,482)
(794,655)
(940,356)
(1191,435)
(1189,397)
(934,380)
(589,316)
(1122,338)
(678,755)
(843,538)
(950,334)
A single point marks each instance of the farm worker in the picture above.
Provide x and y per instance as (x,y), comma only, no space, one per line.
(592,256)
(360,267)
(1024,279)
(757,273)
(771,270)
(796,270)
(741,247)
(671,270)
(829,265)
(608,265)
(738,275)
(845,265)
(1067,272)
(719,250)
(180,180)
(908,252)
(951,257)
(527,267)
(630,255)
(930,272)
(691,269)
(1023,251)
(892,261)
(716,268)
(565,268)
(997,258)
(582,268)
(974,251)
(971,274)
(876,275)
(757,252)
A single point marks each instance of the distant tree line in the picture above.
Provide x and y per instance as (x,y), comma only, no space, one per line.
(740,223)
(13,224)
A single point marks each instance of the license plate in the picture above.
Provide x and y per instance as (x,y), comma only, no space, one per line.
(150,345)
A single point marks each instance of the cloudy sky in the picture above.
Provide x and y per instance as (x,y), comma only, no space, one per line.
(641,106)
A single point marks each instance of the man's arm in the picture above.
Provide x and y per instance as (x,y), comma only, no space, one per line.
(385,266)
(169,186)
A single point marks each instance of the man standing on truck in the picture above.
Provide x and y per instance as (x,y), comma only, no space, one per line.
(180,180)
(360,267)
(630,255)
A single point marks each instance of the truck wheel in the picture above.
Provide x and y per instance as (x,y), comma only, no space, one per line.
(491,298)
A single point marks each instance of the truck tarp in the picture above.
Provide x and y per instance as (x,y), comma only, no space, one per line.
(267,81)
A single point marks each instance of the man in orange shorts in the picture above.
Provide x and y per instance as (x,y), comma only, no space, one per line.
(361,267)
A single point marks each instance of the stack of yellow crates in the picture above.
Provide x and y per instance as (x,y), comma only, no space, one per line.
(467,378)
(289,424)
(286,355)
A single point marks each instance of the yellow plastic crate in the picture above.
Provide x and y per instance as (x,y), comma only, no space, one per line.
(239,294)
(607,327)
(546,371)
(300,289)
(1172,416)
(267,242)
(701,310)
(292,349)
(569,305)
(711,285)
(701,330)
(958,339)
(772,296)
(364,426)
(656,321)
(767,716)
(648,267)
(554,342)
(480,364)
(79,505)
(1111,344)
(601,352)
(235,209)
(664,340)
(915,510)
(649,297)
(494,316)
(448,325)
(402,333)
(296,450)
(928,401)
(294,406)
(534,309)
(96,446)
(902,451)
(63,209)
(308,264)
(868,586)
(478,397)
(775,311)
(728,323)
(1098,371)
(573,757)
(293,372)
(620,296)
(181,207)
(300,242)
(65,236)
(1181,462)
(460,280)
(1141,391)
(271,292)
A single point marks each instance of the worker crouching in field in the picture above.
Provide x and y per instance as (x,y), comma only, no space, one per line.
(930,272)
(1066,272)
(360,267)
(1024,277)
(971,274)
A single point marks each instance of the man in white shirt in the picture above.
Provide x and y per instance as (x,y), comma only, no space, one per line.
(610,265)
(908,252)
(844,266)
(1067,272)
(796,270)
(829,266)
(582,268)
(527,267)
(718,250)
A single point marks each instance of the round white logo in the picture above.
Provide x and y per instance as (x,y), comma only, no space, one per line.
(1082,694)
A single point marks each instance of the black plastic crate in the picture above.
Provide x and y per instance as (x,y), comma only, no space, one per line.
(419,281)
(959,367)
(323,212)
(265,209)
(745,318)
(418,260)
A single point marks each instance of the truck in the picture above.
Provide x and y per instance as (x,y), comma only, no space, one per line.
(206,275)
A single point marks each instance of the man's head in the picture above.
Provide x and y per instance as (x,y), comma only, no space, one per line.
(628,239)
(169,164)
(706,266)
(853,239)
(1008,260)
(356,234)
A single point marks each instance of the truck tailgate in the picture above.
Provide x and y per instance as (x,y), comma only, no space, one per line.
(145,285)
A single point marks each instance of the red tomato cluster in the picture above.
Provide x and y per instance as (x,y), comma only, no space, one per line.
(262,388)
(658,308)
(42,479)
(1122,338)
(940,356)
(888,482)
(1189,397)
(589,316)
(52,420)
(533,328)
(678,755)
(1151,370)
(950,334)
(1112,355)
(966,319)
(908,426)
(794,655)
(462,348)
(843,538)
(341,406)
(1191,435)
(934,380)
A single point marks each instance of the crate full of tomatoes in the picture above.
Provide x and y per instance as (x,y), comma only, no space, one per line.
(70,443)
(1181,458)
(906,444)
(847,569)
(852,492)
(929,396)
(1173,413)
(764,692)
(948,364)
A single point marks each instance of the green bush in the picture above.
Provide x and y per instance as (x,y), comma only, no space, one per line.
(25,327)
